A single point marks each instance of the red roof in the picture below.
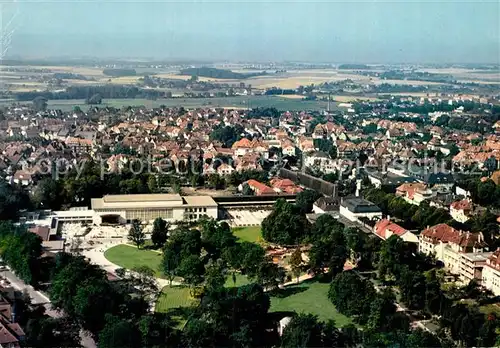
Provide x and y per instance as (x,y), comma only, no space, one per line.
(258,186)
(384,225)
(464,204)
(447,234)
(42,231)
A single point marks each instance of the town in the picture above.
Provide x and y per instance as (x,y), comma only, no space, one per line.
(246,174)
(169,206)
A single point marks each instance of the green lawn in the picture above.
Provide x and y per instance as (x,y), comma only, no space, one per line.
(248,234)
(240,280)
(130,257)
(172,298)
(308,297)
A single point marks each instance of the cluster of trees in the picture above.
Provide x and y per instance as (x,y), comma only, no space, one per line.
(12,200)
(286,225)
(418,283)
(411,216)
(21,251)
(183,257)
(227,135)
(218,73)
(262,112)
(115,72)
(115,313)
(326,146)
(86,92)
(485,193)
(333,244)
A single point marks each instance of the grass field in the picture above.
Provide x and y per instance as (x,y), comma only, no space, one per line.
(308,297)
(236,102)
(129,257)
(248,234)
(173,297)
(240,281)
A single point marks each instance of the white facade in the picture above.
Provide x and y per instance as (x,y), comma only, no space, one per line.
(354,216)
(148,207)
(491,279)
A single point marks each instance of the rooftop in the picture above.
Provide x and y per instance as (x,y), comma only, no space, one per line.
(137,201)
(359,205)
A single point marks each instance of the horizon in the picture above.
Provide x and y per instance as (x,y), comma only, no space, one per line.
(376,32)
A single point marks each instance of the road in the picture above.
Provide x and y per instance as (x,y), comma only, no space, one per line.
(38,297)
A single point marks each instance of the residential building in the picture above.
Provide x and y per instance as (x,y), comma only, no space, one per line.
(326,205)
(414,193)
(491,273)
(461,210)
(258,188)
(385,228)
(472,265)
(447,244)
(225,169)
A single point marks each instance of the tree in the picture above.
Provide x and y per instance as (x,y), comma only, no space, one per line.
(215,276)
(159,234)
(329,253)
(286,225)
(305,200)
(270,275)
(304,330)
(40,104)
(382,310)
(136,234)
(152,184)
(296,263)
(352,295)
(191,268)
(118,332)
(170,262)
(216,237)
(51,332)
(419,338)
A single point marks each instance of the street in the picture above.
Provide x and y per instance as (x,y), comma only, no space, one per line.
(37,297)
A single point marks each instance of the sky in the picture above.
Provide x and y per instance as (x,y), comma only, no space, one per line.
(314,31)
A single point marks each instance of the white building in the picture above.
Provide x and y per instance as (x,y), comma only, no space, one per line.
(491,273)
(447,244)
(356,207)
(147,207)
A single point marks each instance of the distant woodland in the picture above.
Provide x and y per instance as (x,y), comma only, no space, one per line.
(218,73)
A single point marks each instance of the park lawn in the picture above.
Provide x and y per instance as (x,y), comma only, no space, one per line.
(251,234)
(308,297)
(240,280)
(175,300)
(129,257)
(173,297)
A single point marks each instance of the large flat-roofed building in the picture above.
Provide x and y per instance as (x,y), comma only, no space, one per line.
(147,207)
(353,208)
